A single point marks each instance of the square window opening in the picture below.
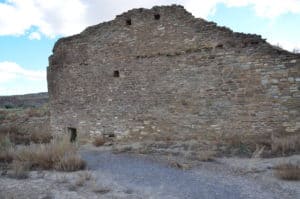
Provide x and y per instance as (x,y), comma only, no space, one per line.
(157,16)
(116,73)
(128,22)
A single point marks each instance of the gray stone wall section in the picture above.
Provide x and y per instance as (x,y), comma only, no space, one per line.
(177,74)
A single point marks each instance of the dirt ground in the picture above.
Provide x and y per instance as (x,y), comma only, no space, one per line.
(124,175)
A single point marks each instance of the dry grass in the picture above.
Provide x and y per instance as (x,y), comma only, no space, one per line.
(98,141)
(288,171)
(286,145)
(264,145)
(59,154)
(70,162)
(36,112)
(238,144)
(205,155)
(22,129)
(41,137)
(6,150)
(17,135)
(6,156)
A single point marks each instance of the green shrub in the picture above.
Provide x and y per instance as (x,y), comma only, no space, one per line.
(8,106)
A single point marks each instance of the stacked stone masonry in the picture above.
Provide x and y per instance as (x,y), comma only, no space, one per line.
(162,68)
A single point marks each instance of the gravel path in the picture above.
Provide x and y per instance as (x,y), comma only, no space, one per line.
(152,179)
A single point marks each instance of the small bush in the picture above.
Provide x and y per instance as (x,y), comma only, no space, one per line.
(8,106)
(288,171)
(98,141)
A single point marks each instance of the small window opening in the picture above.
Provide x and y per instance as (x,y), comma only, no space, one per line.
(73,134)
(128,22)
(219,46)
(111,135)
(157,16)
(116,73)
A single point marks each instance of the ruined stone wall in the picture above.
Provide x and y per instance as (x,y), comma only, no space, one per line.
(164,70)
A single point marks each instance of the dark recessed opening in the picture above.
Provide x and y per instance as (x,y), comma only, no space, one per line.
(116,73)
(128,22)
(111,135)
(157,16)
(219,46)
(73,134)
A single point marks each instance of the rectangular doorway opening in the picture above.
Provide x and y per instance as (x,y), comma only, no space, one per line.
(73,134)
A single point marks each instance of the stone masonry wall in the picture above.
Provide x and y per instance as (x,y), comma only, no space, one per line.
(175,74)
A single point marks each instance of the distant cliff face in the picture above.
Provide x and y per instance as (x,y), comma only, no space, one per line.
(29,100)
(161,70)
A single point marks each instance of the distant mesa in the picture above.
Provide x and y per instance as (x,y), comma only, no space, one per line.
(24,101)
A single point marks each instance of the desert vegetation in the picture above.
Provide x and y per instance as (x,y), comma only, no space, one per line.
(26,143)
(98,141)
(59,154)
(260,145)
(288,171)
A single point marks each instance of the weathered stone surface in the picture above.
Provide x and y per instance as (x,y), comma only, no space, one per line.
(171,74)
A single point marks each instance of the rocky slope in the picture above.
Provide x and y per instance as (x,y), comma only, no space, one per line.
(28,100)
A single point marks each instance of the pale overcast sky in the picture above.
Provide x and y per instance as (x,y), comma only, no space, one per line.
(29,28)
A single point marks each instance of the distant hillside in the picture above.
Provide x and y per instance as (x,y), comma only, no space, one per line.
(28,100)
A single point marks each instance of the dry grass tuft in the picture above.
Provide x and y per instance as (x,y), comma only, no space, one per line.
(70,162)
(59,154)
(206,155)
(6,150)
(286,145)
(41,137)
(98,141)
(288,171)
